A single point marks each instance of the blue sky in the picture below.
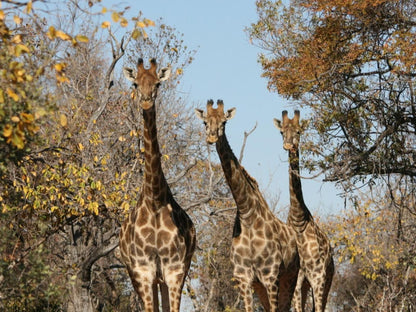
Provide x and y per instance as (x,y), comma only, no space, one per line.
(226,67)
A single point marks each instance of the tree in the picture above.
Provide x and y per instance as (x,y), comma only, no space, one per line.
(374,246)
(353,65)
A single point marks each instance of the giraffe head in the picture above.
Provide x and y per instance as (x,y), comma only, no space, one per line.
(215,119)
(146,81)
(290,130)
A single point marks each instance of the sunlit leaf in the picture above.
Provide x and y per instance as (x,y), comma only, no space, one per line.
(21,48)
(124,22)
(136,34)
(27,118)
(115,17)
(29,7)
(140,24)
(7,130)
(12,94)
(149,22)
(59,66)
(105,24)
(60,34)
(17,20)
(51,32)
(63,120)
(82,38)
(18,139)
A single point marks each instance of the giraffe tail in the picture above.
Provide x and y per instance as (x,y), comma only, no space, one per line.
(165,297)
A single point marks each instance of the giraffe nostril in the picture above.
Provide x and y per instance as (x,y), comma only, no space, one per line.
(212,139)
(287,146)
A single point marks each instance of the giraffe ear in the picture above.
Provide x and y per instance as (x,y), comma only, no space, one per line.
(129,73)
(230,113)
(164,73)
(199,113)
(278,124)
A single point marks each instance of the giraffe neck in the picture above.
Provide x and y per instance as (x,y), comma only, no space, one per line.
(299,214)
(155,186)
(244,188)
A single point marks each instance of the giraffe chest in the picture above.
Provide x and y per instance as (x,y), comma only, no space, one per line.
(149,235)
(313,246)
(256,242)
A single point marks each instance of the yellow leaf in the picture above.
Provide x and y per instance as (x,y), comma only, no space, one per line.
(149,22)
(61,79)
(104,10)
(59,66)
(40,113)
(80,146)
(21,48)
(1,15)
(62,35)
(53,208)
(12,94)
(122,139)
(17,20)
(29,7)
(51,32)
(63,120)
(124,22)
(105,25)
(136,34)
(18,139)
(82,38)
(17,39)
(140,24)
(27,118)
(7,131)
(1,96)
(115,17)
(144,34)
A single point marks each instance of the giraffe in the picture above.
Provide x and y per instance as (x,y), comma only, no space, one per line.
(316,262)
(158,238)
(263,251)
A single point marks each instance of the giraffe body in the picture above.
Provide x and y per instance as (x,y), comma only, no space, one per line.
(316,262)
(263,251)
(157,240)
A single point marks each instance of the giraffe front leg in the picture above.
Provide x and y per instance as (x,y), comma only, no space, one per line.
(174,282)
(145,290)
(246,293)
(301,292)
(273,294)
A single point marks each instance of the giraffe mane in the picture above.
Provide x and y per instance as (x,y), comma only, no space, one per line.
(250,179)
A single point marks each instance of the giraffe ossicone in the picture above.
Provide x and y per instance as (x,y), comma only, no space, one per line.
(157,239)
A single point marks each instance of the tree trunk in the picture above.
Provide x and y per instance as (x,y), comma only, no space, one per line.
(79,298)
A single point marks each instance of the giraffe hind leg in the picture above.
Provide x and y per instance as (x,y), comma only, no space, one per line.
(262,294)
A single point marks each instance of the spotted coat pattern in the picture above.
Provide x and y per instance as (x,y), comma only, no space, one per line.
(157,240)
(263,251)
(316,261)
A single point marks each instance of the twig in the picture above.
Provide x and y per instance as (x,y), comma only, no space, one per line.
(246,134)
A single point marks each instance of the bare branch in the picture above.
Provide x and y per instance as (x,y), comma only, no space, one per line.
(246,134)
